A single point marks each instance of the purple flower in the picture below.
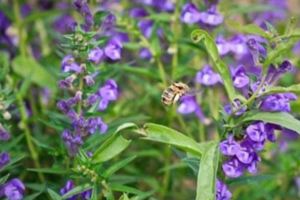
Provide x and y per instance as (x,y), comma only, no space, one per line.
(238,46)
(107,93)
(72,142)
(63,106)
(257,50)
(83,8)
(74,100)
(252,167)
(222,45)
(145,53)
(206,76)
(108,23)
(67,83)
(86,195)
(188,104)
(13,190)
(245,154)
(229,147)
(96,55)
(190,14)
(4,159)
(6,39)
(138,13)
(73,116)
(65,24)
(68,64)
(89,81)
(95,124)
(146,27)
(25,10)
(236,108)
(296,49)
(68,187)
(121,36)
(277,102)
(256,132)
(211,17)
(160,5)
(4,135)
(269,128)
(274,74)
(92,99)
(113,49)
(240,78)
(222,192)
(233,168)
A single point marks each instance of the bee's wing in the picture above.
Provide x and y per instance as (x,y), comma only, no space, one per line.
(194,92)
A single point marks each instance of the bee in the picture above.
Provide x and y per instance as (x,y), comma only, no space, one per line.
(173,93)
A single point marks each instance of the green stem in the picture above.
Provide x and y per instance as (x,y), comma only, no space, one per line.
(22,38)
(24,126)
(161,72)
(80,88)
(201,133)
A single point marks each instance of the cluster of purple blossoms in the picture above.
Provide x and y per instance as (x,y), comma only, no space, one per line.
(242,150)
(190,14)
(69,186)
(78,80)
(243,155)
(13,189)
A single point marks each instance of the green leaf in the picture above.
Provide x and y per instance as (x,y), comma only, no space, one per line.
(124,197)
(4,64)
(33,196)
(278,89)
(248,29)
(206,181)
(54,195)
(160,17)
(159,133)
(94,192)
(211,48)
(124,188)
(4,179)
(48,170)
(28,67)
(12,162)
(100,16)
(77,190)
(280,118)
(250,179)
(114,145)
(193,163)
(117,166)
